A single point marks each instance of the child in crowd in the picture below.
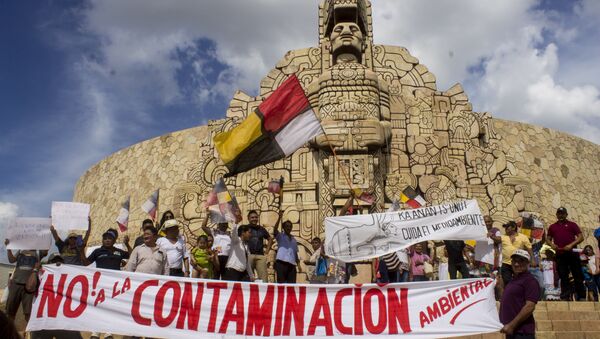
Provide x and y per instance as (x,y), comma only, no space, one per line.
(204,260)
(588,266)
(548,267)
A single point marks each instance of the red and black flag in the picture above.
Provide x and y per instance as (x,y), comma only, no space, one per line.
(277,128)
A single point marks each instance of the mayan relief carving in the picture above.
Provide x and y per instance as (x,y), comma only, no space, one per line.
(390,128)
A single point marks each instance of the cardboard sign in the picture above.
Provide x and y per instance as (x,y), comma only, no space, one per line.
(29,234)
(68,216)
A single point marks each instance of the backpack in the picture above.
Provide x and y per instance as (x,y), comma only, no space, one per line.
(321,269)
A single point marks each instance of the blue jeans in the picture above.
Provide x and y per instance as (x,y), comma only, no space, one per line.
(592,286)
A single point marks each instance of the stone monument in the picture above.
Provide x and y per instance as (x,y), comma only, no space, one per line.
(387,127)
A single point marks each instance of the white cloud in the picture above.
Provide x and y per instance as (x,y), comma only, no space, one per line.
(514,58)
(506,42)
(141,36)
(451,36)
(513,49)
(8,210)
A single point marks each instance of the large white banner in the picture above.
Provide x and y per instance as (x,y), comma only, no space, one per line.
(86,299)
(68,216)
(360,237)
(29,234)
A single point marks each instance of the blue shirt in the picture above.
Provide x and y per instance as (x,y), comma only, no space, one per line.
(287,248)
(256,244)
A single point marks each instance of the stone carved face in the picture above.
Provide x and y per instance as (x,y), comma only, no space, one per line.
(347,40)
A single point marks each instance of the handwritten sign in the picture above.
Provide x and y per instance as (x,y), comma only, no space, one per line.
(29,234)
(70,215)
(367,236)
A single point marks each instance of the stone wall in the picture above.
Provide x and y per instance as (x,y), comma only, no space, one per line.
(137,171)
(563,169)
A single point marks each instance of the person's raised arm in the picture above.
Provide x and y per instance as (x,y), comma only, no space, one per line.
(235,238)
(55,235)
(126,241)
(9,253)
(348,203)
(84,260)
(205,228)
(87,233)
(276,226)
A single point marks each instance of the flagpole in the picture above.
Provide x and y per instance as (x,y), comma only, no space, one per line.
(157,204)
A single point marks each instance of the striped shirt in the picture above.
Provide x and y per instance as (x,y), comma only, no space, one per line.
(392,262)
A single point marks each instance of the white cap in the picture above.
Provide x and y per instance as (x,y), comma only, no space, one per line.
(171,223)
(522,254)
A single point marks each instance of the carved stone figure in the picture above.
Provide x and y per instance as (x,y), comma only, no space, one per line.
(386,127)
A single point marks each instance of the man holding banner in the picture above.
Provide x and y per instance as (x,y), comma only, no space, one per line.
(519,299)
(149,257)
(26,261)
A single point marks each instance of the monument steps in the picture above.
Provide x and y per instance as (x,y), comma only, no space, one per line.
(561,319)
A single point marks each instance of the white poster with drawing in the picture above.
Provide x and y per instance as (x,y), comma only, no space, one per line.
(68,216)
(29,234)
(361,237)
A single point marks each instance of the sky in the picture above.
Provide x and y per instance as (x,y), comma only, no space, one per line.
(80,80)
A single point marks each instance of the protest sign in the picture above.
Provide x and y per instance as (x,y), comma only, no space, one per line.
(29,234)
(68,216)
(82,298)
(361,237)
(8,212)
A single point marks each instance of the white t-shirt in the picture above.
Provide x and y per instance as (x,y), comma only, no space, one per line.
(222,244)
(592,264)
(175,252)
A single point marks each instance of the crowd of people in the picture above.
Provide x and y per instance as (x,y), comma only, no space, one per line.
(552,268)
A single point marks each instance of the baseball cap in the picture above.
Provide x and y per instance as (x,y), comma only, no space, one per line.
(561,210)
(171,223)
(73,235)
(109,234)
(522,254)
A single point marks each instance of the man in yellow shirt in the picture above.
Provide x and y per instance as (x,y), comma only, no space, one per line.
(511,242)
